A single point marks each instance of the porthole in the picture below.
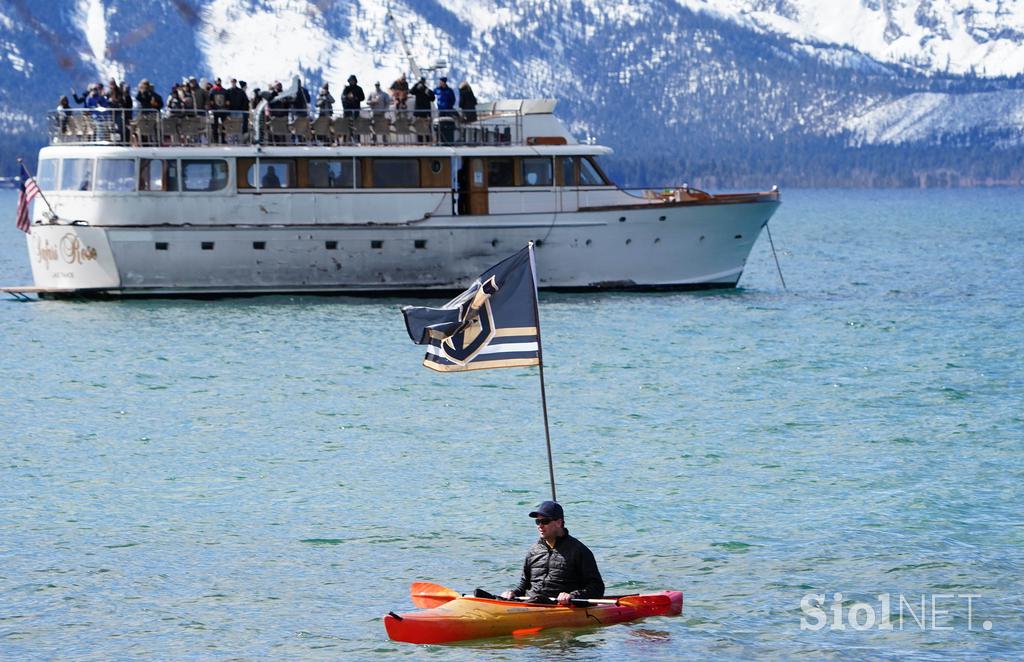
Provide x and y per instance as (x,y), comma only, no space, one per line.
(435,166)
(629,241)
(331,245)
(622,219)
(494,243)
(657,240)
(739,236)
(161,245)
(661,218)
(420,243)
(207,245)
(259,245)
(376,243)
(589,242)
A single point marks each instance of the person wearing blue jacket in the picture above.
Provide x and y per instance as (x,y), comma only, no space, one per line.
(445,98)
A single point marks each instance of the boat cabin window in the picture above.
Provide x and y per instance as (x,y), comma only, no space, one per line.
(332,173)
(46,177)
(77,175)
(501,172)
(590,175)
(537,172)
(272,173)
(566,171)
(158,175)
(395,173)
(203,174)
(115,175)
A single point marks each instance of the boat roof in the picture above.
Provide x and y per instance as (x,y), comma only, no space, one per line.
(313,151)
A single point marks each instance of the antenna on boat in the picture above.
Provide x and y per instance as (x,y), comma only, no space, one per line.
(415,69)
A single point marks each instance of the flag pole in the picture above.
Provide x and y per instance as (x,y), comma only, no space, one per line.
(540,365)
(30,176)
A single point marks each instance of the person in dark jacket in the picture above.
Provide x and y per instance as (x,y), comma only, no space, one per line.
(300,102)
(276,101)
(238,103)
(218,104)
(63,113)
(148,98)
(467,102)
(352,98)
(424,98)
(558,568)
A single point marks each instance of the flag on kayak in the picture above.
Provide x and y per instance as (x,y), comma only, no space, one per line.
(493,324)
(27,190)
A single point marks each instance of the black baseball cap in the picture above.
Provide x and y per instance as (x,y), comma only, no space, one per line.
(549,509)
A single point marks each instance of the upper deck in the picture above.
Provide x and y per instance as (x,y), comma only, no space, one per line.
(509,122)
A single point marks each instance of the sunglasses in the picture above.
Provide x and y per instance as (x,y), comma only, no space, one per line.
(544,521)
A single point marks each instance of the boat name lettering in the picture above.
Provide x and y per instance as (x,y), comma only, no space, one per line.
(45,252)
(74,252)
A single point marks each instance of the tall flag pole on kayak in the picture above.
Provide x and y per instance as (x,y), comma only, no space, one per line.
(495,323)
(540,367)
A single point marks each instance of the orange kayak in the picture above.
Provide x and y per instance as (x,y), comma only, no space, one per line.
(465,618)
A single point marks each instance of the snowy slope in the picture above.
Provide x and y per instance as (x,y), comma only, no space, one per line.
(956,36)
(922,117)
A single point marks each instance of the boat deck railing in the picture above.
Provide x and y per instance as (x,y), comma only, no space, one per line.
(492,125)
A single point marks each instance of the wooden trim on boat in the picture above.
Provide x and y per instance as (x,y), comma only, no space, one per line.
(723,199)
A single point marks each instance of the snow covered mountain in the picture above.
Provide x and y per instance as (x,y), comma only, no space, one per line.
(714,91)
(951,36)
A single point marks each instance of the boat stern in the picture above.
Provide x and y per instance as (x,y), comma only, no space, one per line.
(71,258)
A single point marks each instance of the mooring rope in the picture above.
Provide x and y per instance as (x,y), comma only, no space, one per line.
(775,255)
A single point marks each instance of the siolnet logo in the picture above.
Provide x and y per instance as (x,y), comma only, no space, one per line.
(936,611)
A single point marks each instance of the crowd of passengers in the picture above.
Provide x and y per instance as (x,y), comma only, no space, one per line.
(192,97)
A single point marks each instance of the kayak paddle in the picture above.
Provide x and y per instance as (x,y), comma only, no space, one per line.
(426,595)
(645,601)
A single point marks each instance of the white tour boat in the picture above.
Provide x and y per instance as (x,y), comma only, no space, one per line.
(156,205)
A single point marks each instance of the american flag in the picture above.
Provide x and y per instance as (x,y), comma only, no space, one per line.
(28,190)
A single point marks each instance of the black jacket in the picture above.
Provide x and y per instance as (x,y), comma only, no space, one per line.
(569,567)
(424,97)
(237,99)
(352,97)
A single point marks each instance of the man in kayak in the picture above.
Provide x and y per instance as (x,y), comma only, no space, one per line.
(558,567)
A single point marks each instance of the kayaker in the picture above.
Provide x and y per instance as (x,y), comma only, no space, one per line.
(558,567)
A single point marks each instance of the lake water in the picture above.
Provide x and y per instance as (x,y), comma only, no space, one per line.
(262,478)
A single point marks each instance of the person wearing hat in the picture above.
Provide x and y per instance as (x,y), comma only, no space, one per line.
(445,97)
(351,101)
(558,568)
(424,99)
(352,97)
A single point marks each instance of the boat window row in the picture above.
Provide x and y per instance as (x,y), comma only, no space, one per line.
(540,171)
(276,174)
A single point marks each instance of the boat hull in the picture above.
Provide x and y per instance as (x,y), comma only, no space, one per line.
(651,247)
(468,618)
